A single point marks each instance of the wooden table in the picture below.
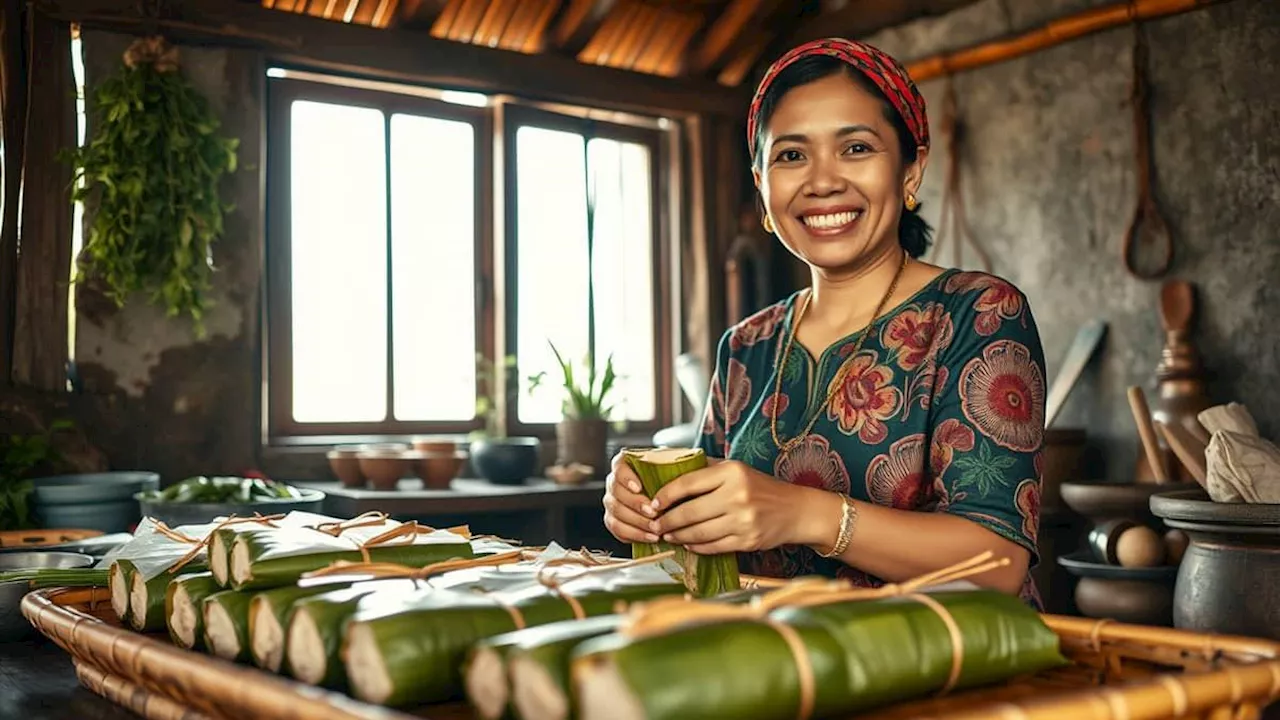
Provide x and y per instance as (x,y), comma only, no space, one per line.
(536,511)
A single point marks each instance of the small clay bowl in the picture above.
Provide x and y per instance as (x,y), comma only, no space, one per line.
(438,469)
(385,468)
(1101,501)
(434,445)
(345,463)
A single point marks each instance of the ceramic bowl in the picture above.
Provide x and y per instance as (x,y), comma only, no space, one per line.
(438,469)
(86,488)
(177,513)
(345,463)
(384,468)
(1100,501)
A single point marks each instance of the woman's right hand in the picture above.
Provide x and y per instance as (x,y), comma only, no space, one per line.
(627,511)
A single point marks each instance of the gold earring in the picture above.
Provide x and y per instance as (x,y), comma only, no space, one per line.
(912,203)
(768,224)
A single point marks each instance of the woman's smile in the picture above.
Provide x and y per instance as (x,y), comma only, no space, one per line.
(830,222)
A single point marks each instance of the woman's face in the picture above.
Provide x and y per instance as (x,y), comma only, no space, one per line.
(832,176)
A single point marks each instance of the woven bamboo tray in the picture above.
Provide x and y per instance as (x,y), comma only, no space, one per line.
(1118,672)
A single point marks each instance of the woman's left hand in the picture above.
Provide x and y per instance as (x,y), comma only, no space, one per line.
(727,507)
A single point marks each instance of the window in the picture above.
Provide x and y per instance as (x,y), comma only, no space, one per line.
(381,215)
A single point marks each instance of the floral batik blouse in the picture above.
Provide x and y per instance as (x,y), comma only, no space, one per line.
(942,410)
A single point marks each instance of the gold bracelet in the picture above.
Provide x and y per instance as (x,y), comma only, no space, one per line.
(848,516)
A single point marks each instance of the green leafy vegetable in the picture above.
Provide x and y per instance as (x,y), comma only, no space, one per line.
(153,164)
(203,489)
(19,456)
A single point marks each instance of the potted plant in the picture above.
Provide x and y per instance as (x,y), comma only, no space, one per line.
(495,456)
(583,432)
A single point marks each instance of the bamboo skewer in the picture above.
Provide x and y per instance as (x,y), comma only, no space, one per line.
(1049,35)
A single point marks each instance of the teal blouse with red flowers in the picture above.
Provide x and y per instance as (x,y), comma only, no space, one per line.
(942,410)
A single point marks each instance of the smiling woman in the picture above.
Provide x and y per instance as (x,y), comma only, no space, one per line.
(887,421)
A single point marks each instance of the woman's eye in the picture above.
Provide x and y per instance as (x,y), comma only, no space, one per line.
(857,148)
(788,156)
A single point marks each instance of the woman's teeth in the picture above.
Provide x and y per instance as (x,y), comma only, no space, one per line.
(833,220)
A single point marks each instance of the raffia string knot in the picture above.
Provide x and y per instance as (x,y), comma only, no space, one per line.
(165,530)
(663,615)
(267,520)
(366,519)
(396,570)
(153,51)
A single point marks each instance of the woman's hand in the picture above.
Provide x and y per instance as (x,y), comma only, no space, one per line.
(732,507)
(627,511)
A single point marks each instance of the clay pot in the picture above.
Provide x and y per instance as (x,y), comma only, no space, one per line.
(583,442)
(1227,579)
(435,445)
(1102,501)
(385,468)
(438,469)
(345,463)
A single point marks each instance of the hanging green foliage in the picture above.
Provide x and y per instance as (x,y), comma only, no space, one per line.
(153,164)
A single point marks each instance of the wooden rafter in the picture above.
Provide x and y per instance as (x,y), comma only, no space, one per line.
(579,24)
(420,13)
(723,31)
(859,18)
(744,59)
(536,39)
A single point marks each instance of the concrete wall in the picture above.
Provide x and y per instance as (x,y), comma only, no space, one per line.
(1050,185)
(154,396)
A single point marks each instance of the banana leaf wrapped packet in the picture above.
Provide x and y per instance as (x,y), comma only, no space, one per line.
(820,660)
(275,557)
(407,650)
(703,575)
(139,571)
(184,614)
(525,674)
(317,623)
(226,624)
(269,614)
(221,538)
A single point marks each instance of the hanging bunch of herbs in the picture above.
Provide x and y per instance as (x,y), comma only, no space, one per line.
(153,165)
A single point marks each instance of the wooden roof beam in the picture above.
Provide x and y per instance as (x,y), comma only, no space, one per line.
(723,32)
(420,13)
(860,18)
(397,55)
(578,23)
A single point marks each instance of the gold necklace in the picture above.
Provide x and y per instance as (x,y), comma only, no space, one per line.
(779,364)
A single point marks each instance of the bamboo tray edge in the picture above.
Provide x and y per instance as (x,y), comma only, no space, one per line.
(1226,676)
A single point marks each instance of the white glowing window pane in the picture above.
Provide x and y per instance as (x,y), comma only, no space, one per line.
(552,190)
(338,262)
(551,224)
(623,272)
(433,212)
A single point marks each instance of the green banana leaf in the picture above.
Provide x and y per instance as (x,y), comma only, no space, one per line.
(119,584)
(269,614)
(183,612)
(147,612)
(406,650)
(704,575)
(863,654)
(226,624)
(267,558)
(222,539)
(315,630)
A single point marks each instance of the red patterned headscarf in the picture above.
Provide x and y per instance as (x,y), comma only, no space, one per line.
(884,71)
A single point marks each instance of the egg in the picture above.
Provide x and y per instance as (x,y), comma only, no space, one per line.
(1175,544)
(1140,547)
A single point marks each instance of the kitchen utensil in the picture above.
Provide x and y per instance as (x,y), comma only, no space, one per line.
(1082,348)
(1148,226)
(13,626)
(1147,433)
(1187,447)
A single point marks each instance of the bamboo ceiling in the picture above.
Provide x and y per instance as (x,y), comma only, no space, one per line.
(720,39)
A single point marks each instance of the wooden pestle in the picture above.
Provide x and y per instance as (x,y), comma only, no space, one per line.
(1147,433)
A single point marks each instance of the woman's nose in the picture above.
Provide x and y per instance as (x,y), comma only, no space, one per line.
(824,178)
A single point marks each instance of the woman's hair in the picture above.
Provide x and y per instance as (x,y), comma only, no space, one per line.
(914,233)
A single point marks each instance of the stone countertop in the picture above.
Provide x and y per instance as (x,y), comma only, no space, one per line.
(38,682)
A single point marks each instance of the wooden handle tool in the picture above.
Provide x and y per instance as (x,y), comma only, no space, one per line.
(1147,432)
(1187,447)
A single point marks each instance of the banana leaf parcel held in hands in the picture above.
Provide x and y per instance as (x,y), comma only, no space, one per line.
(809,650)
(704,575)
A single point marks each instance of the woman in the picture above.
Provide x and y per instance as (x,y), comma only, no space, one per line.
(887,420)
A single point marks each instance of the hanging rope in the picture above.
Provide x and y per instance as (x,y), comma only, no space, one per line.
(953,214)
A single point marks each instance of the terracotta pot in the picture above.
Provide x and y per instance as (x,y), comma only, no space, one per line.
(1229,579)
(438,469)
(346,465)
(385,468)
(584,442)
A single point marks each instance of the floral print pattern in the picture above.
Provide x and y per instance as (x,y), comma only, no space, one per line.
(896,478)
(941,409)
(813,464)
(1002,394)
(866,399)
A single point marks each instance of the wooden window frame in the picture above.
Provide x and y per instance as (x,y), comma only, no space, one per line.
(517,116)
(278,365)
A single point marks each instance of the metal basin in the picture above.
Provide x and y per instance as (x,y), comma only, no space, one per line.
(13,626)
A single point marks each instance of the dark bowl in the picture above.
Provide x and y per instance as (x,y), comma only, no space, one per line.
(1099,501)
(85,488)
(506,460)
